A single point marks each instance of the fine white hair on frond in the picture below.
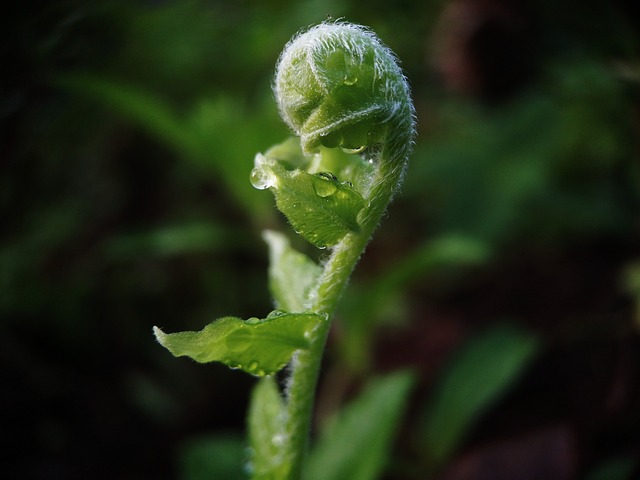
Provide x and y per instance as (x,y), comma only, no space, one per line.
(309,74)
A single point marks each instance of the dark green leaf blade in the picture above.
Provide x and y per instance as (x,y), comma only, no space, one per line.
(356,444)
(258,347)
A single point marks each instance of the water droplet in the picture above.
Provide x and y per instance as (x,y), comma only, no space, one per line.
(263,177)
(327,176)
(276,314)
(350,80)
(325,184)
(231,364)
(353,150)
(253,366)
(331,139)
(248,467)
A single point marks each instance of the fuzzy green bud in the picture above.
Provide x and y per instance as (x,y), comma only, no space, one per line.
(337,85)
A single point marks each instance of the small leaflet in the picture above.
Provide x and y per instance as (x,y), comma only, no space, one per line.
(292,275)
(257,346)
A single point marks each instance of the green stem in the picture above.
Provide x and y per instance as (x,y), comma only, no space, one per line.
(337,270)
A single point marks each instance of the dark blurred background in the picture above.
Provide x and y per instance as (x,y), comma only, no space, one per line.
(128,131)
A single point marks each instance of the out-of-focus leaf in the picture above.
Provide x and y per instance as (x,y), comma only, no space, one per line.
(291,273)
(230,132)
(259,347)
(148,110)
(218,133)
(213,457)
(445,251)
(481,372)
(381,299)
(173,240)
(631,283)
(617,469)
(266,437)
(356,445)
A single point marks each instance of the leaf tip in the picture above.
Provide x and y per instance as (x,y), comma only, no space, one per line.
(159,334)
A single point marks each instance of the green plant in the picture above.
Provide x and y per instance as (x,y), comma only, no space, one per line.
(336,85)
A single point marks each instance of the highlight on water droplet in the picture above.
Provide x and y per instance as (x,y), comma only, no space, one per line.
(253,366)
(231,364)
(353,150)
(262,177)
(350,80)
(325,184)
(327,176)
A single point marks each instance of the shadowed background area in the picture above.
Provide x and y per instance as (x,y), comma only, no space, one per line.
(506,274)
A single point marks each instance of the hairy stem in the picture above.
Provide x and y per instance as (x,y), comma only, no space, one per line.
(305,367)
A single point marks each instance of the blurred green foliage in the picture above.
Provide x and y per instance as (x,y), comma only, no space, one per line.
(355,444)
(220,456)
(128,131)
(475,379)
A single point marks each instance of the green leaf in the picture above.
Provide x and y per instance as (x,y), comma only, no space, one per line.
(291,273)
(259,347)
(319,207)
(265,422)
(355,446)
(213,456)
(476,379)
(345,166)
(289,153)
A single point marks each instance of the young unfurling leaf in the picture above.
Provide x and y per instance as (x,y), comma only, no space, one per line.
(320,207)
